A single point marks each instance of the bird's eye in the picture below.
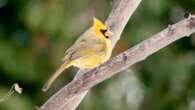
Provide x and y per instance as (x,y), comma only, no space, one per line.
(103,31)
(107,37)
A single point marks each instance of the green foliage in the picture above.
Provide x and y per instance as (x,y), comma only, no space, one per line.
(35,33)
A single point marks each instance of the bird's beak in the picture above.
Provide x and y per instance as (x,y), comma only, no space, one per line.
(108,33)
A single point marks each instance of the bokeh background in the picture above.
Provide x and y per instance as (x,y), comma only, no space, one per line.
(34,35)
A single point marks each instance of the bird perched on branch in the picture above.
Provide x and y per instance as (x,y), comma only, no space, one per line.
(91,49)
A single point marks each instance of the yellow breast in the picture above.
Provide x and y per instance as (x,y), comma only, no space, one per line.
(89,62)
(91,59)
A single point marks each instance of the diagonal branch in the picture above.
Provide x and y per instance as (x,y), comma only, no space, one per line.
(118,18)
(131,56)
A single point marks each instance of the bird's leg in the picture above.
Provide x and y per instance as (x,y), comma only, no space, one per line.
(81,72)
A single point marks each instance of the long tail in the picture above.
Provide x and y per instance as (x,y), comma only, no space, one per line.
(55,75)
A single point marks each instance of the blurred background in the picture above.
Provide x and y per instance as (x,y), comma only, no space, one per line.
(34,35)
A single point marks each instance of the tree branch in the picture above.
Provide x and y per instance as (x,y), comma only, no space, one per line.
(118,18)
(80,85)
(133,55)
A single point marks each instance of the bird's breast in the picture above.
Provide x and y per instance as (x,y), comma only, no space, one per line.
(90,62)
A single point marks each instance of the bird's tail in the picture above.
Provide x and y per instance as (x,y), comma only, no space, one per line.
(49,82)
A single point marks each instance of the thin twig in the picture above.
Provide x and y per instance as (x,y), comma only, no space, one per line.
(14,88)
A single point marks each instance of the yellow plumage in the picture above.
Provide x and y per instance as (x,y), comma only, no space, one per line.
(91,49)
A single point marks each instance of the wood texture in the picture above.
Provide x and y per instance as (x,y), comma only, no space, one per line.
(69,97)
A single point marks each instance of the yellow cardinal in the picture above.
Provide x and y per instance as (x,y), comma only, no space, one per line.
(91,49)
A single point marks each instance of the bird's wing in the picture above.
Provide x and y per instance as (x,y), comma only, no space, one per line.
(83,49)
(74,51)
(87,44)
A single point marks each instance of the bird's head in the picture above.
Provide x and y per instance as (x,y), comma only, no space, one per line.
(101,29)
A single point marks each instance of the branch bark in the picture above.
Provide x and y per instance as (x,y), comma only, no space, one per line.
(118,18)
(141,51)
(131,56)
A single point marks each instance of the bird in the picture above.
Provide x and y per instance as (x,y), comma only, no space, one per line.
(91,49)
